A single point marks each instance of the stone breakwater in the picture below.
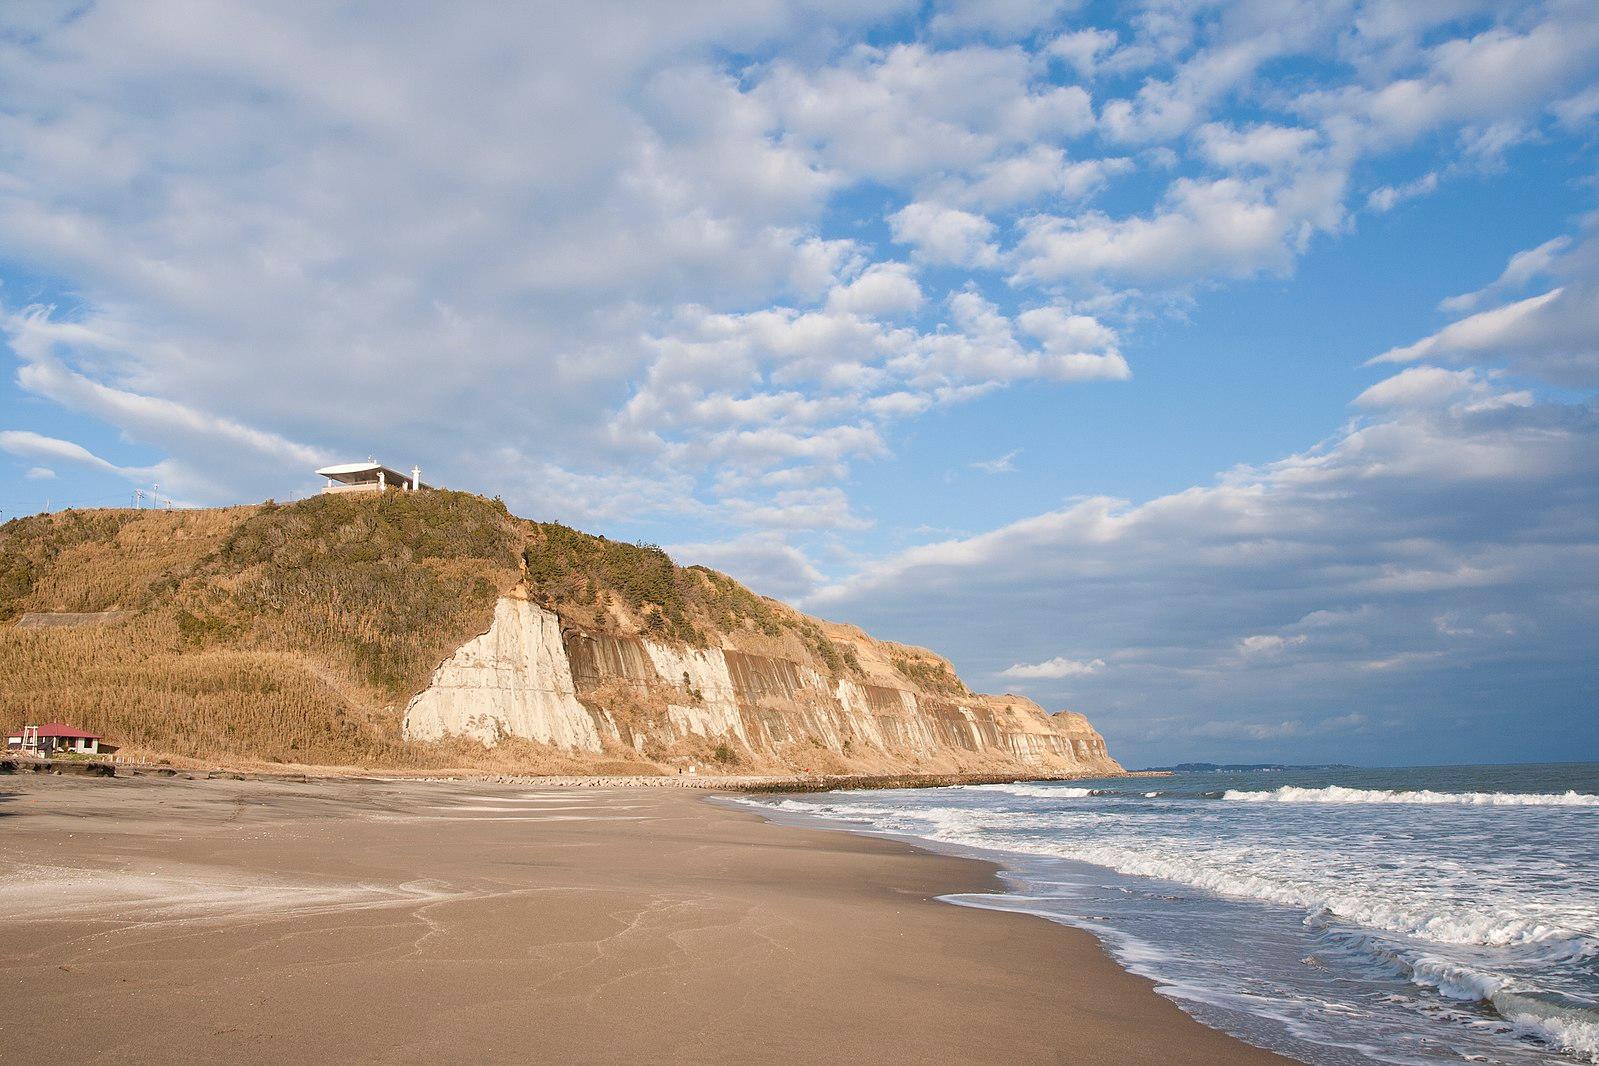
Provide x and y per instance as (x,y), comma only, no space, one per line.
(533,676)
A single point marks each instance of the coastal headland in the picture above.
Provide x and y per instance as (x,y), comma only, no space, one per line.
(398,921)
(434,632)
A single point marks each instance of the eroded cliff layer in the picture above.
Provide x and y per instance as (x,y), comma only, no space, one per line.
(534,676)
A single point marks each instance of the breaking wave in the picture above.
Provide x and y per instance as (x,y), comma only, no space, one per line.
(1340,794)
(1481,899)
(1036,791)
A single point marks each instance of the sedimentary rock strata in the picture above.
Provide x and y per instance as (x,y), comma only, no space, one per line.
(534,676)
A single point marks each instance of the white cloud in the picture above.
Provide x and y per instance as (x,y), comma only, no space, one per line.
(1269,643)
(1523,268)
(1063,332)
(765,561)
(1263,145)
(1006,19)
(1388,197)
(1491,81)
(1082,49)
(1041,172)
(1053,669)
(908,111)
(882,290)
(946,235)
(1553,335)
(1422,385)
(815,508)
(1228,227)
(26,444)
(984,350)
(417,241)
(1002,464)
(1284,729)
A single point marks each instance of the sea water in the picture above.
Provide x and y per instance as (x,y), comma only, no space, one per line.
(1420,915)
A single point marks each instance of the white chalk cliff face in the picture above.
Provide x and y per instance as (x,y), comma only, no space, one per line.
(513,680)
(588,692)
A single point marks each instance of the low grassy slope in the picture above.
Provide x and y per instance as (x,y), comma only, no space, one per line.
(283,633)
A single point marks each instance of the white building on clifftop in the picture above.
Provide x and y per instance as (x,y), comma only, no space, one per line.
(370,476)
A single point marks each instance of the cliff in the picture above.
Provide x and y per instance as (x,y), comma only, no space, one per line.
(435,629)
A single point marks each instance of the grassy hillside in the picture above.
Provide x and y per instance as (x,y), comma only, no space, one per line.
(297,633)
(605,583)
(286,633)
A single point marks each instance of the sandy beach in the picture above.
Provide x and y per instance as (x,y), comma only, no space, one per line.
(182,921)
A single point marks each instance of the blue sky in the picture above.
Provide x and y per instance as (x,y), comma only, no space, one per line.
(1224,371)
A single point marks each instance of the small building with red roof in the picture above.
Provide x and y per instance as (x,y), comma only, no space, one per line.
(53,737)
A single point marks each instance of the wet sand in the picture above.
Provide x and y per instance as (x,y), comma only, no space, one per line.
(148,920)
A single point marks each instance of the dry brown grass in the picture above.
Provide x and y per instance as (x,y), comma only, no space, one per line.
(283,633)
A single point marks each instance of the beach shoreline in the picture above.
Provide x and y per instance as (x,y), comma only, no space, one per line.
(383,921)
(726,782)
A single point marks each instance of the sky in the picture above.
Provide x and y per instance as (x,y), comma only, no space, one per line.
(1224,371)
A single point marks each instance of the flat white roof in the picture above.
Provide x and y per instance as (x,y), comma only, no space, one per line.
(368,467)
(352,473)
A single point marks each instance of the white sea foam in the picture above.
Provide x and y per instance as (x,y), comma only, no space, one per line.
(1033,791)
(1432,888)
(1574,1030)
(1339,794)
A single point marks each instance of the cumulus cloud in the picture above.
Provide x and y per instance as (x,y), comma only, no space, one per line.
(1082,49)
(1053,669)
(1039,174)
(946,235)
(908,111)
(786,388)
(1334,562)
(1264,145)
(1228,226)
(883,290)
(445,230)
(1000,18)
(1489,83)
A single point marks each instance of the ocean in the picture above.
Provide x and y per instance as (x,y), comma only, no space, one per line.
(1410,915)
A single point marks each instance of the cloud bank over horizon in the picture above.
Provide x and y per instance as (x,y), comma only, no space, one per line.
(813,293)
